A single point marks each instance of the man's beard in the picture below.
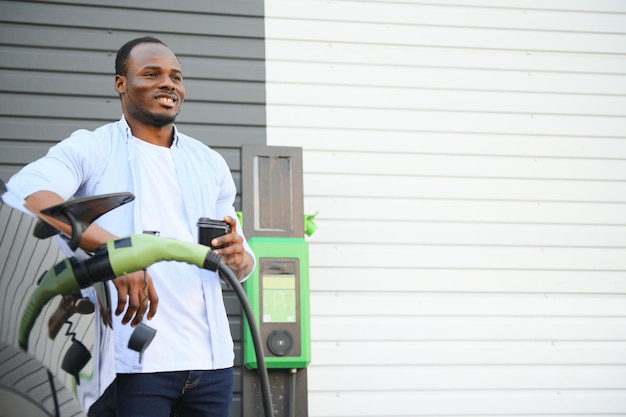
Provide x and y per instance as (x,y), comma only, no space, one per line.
(158,119)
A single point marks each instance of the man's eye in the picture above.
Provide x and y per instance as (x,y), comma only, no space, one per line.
(177,78)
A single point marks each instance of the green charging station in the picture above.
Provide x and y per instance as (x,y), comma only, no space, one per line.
(278,292)
(278,289)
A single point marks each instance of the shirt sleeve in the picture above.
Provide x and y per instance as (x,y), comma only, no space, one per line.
(61,170)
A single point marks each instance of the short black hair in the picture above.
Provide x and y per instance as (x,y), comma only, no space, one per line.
(121,60)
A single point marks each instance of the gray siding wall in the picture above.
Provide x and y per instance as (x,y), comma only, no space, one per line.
(56,76)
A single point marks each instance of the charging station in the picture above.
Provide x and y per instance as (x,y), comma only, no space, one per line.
(278,289)
(278,293)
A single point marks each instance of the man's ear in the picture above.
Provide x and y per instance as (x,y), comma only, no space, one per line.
(120,83)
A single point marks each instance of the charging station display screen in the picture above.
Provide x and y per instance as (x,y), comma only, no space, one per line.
(279,298)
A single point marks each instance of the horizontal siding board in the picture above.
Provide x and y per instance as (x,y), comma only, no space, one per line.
(471,211)
(112,19)
(16,105)
(472,257)
(85,63)
(22,153)
(108,109)
(6,170)
(103,40)
(210,67)
(57,60)
(346,231)
(447,280)
(512,15)
(446,37)
(468,166)
(422,82)
(403,98)
(223,136)
(459,188)
(408,403)
(233,159)
(234,7)
(432,378)
(475,363)
(102,86)
(224,92)
(394,302)
(467,329)
(448,121)
(450,143)
(239,114)
(373,56)
(605,6)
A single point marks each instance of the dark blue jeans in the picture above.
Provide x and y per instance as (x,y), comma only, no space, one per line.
(105,405)
(176,394)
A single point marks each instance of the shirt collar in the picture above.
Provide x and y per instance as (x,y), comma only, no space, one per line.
(128,134)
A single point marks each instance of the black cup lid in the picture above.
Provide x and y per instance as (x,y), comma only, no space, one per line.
(208,222)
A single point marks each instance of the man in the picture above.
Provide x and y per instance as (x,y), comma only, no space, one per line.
(187,369)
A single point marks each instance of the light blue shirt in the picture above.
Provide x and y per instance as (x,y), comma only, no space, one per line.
(100,162)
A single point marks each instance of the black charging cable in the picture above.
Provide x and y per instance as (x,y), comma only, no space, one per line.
(225,271)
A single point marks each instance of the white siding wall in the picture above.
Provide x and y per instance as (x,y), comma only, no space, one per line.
(468,159)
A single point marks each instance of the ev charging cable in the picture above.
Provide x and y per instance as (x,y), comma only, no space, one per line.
(134,253)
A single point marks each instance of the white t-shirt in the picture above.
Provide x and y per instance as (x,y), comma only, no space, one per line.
(182,310)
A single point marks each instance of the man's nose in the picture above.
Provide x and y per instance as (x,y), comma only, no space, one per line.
(166,83)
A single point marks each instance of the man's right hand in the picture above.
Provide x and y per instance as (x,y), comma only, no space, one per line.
(132,291)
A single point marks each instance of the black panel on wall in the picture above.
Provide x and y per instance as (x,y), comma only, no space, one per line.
(56,76)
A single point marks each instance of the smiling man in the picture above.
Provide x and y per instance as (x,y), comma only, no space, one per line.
(150,83)
(187,369)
